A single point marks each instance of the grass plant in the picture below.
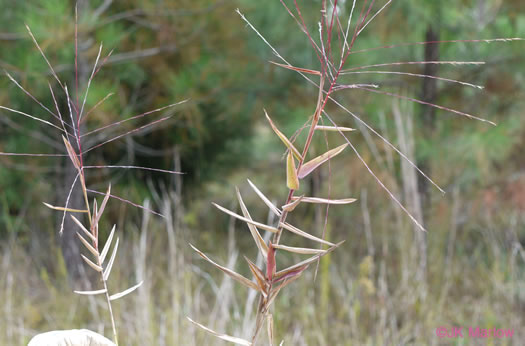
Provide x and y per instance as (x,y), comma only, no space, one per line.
(102,258)
(333,50)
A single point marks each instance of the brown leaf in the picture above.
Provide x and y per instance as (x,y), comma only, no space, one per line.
(292,205)
(283,138)
(298,69)
(258,274)
(246,282)
(71,152)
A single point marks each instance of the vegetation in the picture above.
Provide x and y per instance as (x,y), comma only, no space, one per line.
(390,282)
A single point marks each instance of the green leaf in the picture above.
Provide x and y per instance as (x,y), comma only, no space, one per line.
(291,173)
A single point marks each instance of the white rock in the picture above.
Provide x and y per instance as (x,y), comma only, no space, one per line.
(74,337)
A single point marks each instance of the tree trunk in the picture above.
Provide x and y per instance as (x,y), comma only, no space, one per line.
(429,95)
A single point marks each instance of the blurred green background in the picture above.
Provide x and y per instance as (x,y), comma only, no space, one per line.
(388,284)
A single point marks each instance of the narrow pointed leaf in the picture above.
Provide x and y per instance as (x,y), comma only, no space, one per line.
(65,209)
(333,128)
(107,245)
(126,292)
(224,337)
(103,205)
(308,167)
(87,245)
(292,205)
(255,223)
(299,250)
(273,294)
(289,279)
(290,274)
(238,277)
(91,264)
(292,182)
(326,201)
(265,199)
(258,274)
(297,231)
(306,262)
(283,138)
(84,229)
(91,293)
(71,152)
(259,241)
(256,270)
(298,69)
(110,263)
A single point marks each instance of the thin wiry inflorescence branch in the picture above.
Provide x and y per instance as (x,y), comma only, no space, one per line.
(418,75)
(436,42)
(414,63)
(88,85)
(430,104)
(96,106)
(127,133)
(136,167)
(127,202)
(375,15)
(117,123)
